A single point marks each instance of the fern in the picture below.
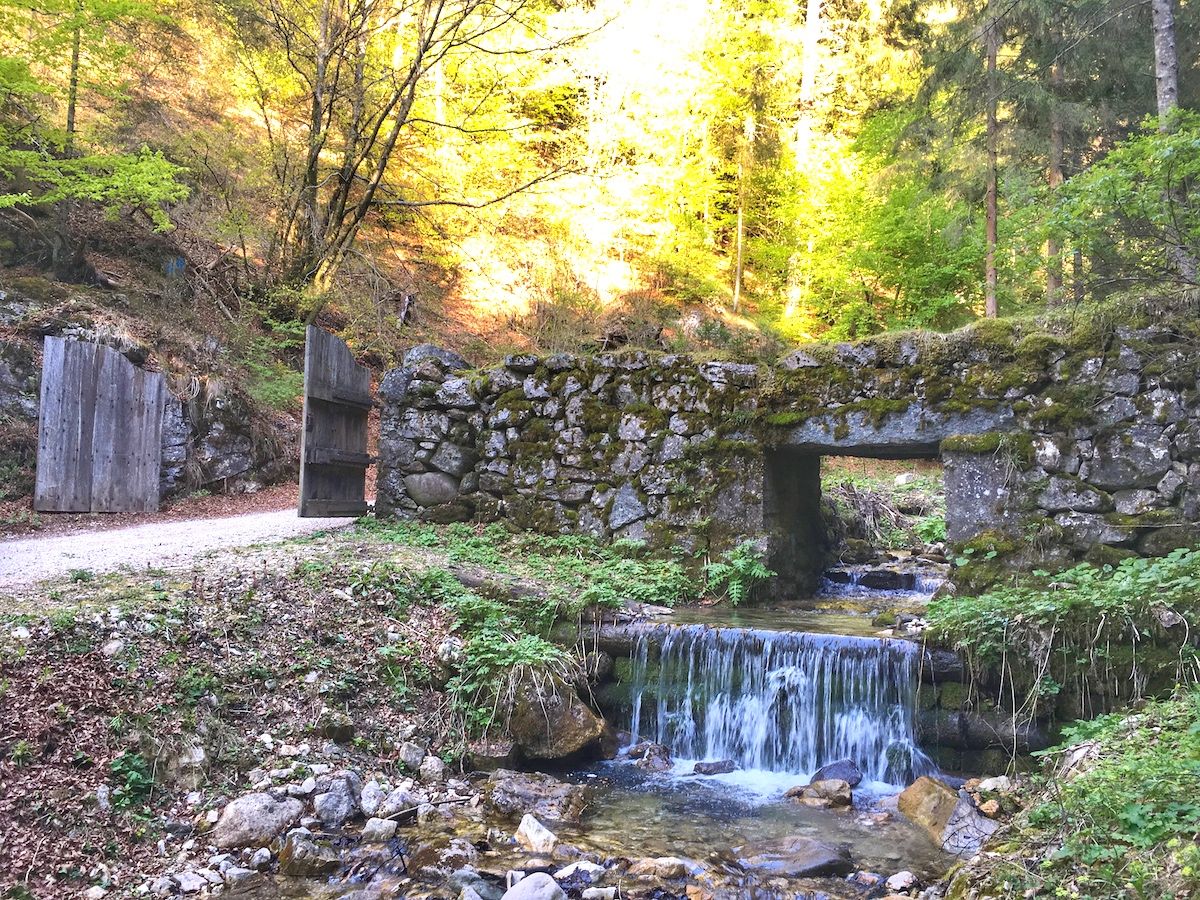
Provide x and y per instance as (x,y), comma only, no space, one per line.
(737,573)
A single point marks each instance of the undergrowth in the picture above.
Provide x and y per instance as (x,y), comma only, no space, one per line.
(1121,825)
(1100,636)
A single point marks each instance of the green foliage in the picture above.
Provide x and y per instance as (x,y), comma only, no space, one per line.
(134,777)
(737,573)
(21,753)
(403,669)
(1123,827)
(931,529)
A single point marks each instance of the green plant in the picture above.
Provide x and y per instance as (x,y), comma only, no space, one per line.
(737,573)
(403,669)
(82,576)
(931,529)
(134,778)
(21,753)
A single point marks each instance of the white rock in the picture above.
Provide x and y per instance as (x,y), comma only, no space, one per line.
(538,886)
(235,875)
(94,893)
(190,882)
(21,633)
(901,881)
(260,859)
(113,647)
(163,886)
(535,837)
(593,871)
(599,893)
(378,831)
(372,797)
(412,755)
(210,876)
(1000,783)
(433,769)
(905,478)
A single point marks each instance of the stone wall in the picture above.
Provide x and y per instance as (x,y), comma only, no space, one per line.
(1058,447)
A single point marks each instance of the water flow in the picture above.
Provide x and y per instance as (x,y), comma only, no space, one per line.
(779,701)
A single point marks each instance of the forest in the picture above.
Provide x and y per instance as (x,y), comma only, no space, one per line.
(549,174)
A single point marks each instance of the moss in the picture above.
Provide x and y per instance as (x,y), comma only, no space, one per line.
(1017,446)
(1101,555)
(599,417)
(953,695)
(1037,346)
(991,541)
(786,419)
(1070,405)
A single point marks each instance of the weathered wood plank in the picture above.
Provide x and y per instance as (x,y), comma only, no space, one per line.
(333,452)
(100,431)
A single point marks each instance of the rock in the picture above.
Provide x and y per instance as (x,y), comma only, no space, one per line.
(372,798)
(828,794)
(340,801)
(538,886)
(446,359)
(846,770)
(627,508)
(1064,494)
(1136,457)
(583,869)
(431,488)
(190,882)
(113,647)
(990,808)
(304,857)
(544,796)
(260,859)
(378,831)
(999,784)
(433,770)
(902,881)
(798,857)
(665,867)
(967,830)
(549,721)
(599,893)
(904,479)
(535,837)
(654,758)
(929,803)
(467,879)
(95,893)
(720,767)
(254,820)
(398,801)
(411,755)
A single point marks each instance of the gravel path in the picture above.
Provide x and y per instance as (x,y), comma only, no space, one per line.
(159,545)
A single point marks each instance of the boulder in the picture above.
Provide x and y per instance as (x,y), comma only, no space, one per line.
(538,886)
(929,803)
(1136,457)
(339,799)
(797,857)
(968,829)
(255,820)
(431,488)
(664,867)
(535,837)
(902,881)
(655,758)
(303,856)
(549,721)
(846,770)
(544,796)
(831,793)
(446,359)
(720,767)
(411,755)
(433,770)
(378,831)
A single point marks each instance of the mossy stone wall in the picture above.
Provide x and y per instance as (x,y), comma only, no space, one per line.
(1058,447)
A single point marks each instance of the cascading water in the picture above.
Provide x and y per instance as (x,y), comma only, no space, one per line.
(779,701)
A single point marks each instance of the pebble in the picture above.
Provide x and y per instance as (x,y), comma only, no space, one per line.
(113,647)
(190,882)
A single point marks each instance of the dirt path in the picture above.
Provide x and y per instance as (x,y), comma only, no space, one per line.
(25,561)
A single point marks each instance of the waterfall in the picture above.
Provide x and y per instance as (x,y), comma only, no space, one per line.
(779,701)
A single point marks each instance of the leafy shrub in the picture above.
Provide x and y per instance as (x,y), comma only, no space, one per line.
(737,573)
(931,529)
(134,780)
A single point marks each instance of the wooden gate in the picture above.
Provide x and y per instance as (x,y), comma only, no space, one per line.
(99,431)
(333,447)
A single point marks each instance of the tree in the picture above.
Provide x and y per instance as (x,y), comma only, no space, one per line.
(1166,82)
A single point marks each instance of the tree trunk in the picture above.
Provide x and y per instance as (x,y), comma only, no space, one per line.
(1054,178)
(73,77)
(1166,87)
(993,49)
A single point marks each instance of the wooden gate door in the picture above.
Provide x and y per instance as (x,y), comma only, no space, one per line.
(333,446)
(99,431)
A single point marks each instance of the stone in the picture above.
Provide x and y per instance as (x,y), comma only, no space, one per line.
(902,881)
(260,859)
(398,801)
(846,770)
(929,803)
(549,721)
(191,882)
(719,767)
(433,769)
(411,755)
(967,829)
(799,359)
(452,460)
(303,856)
(544,796)
(254,820)
(797,857)
(1137,501)
(665,867)
(538,886)
(372,798)
(581,870)
(534,836)
(340,801)
(654,758)
(831,793)
(1084,530)
(1063,494)
(599,893)
(379,831)
(999,784)
(627,507)
(446,359)
(431,488)
(1135,457)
